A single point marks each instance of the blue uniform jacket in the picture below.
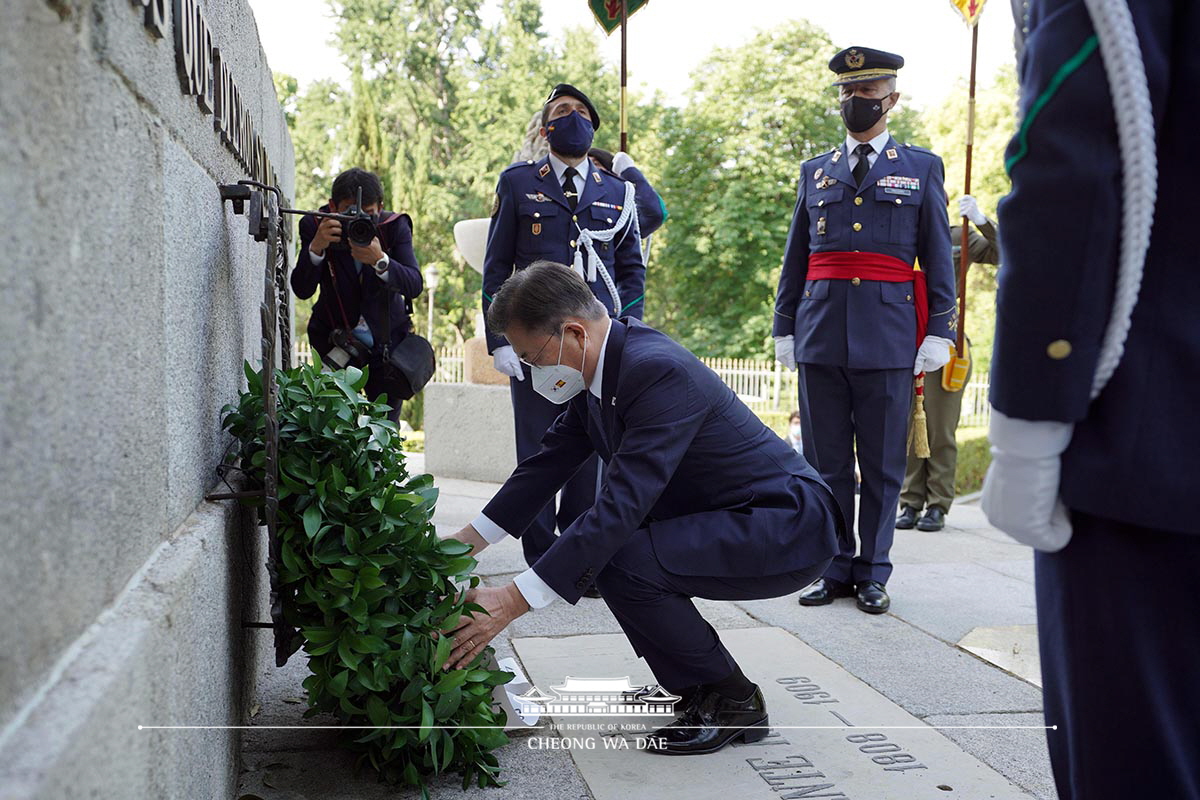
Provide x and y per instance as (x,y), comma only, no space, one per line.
(721,494)
(899,211)
(532,221)
(362,293)
(652,211)
(1133,457)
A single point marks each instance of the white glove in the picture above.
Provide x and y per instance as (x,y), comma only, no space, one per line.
(934,354)
(785,351)
(506,361)
(1020,492)
(622,162)
(967,207)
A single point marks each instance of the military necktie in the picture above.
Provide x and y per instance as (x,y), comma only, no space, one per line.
(569,187)
(863,166)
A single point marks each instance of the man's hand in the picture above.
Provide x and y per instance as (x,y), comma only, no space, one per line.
(502,605)
(1020,492)
(967,207)
(622,162)
(367,255)
(933,354)
(785,351)
(330,230)
(469,535)
(506,361)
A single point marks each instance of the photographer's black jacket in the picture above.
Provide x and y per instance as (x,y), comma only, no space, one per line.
(362,294)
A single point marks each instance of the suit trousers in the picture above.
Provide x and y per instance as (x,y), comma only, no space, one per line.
(655,610)
(864,412)
(532,417)
(1120,650)
(929,482)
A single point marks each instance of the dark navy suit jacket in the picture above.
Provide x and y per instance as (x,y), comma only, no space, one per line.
(532,221)
(1133,457)
(688,464)
(900,211)
(362,294)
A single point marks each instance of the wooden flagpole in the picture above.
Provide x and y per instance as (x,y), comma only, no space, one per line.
(624,25)
(964,256)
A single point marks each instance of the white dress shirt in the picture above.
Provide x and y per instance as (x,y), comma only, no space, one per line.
(877,145)
(535,590)
(559,166)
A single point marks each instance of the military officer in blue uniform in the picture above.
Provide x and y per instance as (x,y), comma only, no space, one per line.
(565,209)
(856,317)
(1095,436)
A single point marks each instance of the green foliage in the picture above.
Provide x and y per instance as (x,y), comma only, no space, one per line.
(368,583)
(974,457)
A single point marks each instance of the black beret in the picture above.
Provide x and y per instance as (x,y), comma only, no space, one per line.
(566,89)
(856,64)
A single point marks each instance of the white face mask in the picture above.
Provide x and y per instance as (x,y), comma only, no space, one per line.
(559,383)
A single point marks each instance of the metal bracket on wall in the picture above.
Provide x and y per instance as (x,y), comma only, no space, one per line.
(261,204)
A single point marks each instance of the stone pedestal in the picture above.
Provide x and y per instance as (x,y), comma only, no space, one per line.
(477,364)
(469,431)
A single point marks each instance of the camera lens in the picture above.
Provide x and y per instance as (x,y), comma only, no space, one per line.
(360,232)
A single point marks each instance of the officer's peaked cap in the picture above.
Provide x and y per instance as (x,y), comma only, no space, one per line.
(857,64)
(570,91)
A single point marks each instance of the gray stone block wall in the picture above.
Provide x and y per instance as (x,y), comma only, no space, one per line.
(129,297)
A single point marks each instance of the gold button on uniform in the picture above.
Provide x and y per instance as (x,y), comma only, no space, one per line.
(858,201)
(572,243)
(808,294)
(1059,349)
(574,218)
(856,281)
(537,214)
(897,201)
(908,297)
(820,202)
(858,226)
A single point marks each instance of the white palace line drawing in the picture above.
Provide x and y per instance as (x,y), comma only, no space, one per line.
(597,697)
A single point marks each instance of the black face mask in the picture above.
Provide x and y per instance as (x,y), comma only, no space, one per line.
(861,113)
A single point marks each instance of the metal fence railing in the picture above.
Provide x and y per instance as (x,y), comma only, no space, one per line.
(762,385)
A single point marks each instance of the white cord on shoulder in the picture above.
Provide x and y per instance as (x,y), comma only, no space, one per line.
(595,265)
(1122,57)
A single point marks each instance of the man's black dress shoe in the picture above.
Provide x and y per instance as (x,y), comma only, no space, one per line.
(907,518)
(824,591)
(710,722)
(873,598)
(592,591)
(934,519)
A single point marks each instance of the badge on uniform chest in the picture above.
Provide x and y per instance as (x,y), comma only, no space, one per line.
(899,182)
(536,229)
(820,226)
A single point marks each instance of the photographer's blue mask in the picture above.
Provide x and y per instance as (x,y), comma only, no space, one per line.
(571,135)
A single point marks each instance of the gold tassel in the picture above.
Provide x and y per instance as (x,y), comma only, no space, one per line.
(918,434)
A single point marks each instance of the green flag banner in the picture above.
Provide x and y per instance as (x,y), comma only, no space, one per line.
(608,12)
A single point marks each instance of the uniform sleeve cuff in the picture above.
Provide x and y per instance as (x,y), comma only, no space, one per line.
(1028,438)
(535,590)
(318,260)
(490,531)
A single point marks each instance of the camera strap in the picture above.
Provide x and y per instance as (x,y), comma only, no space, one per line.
(338,295)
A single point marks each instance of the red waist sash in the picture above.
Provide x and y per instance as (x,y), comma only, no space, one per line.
(842,266)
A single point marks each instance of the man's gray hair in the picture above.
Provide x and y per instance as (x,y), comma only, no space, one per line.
(540,297)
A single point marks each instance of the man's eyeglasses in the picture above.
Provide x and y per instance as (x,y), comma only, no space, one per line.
(530,363)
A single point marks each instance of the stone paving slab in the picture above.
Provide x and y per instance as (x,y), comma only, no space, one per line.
(833,736)
(1013,648)
(948,599)
(1019,753)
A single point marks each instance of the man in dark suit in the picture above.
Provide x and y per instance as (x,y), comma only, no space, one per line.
(699,499)
(858,318)
(565,209)
(360,285)
(1095,435)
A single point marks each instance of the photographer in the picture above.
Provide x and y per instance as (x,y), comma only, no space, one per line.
(350,320)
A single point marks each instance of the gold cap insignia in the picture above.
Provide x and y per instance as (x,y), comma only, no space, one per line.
(855,59)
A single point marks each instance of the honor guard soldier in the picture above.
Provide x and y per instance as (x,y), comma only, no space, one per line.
(565,209)
(859,318)
(1095,375)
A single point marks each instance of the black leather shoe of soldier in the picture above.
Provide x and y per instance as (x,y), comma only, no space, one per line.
(710,722)
(907,518)
(592,591)
(934,519)
(824,591)
(873,598)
